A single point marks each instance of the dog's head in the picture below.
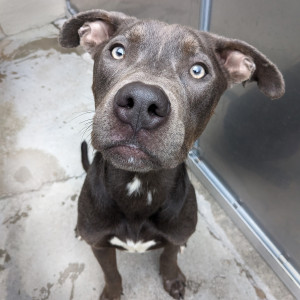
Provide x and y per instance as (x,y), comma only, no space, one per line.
(156,85)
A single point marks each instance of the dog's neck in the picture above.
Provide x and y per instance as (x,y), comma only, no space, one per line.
(140,195)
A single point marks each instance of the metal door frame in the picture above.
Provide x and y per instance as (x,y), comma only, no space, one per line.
(280,265)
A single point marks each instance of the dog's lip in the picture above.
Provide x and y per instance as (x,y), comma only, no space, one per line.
(129,150)
(132,154)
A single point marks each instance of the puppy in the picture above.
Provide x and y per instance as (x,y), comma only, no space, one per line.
(155,87)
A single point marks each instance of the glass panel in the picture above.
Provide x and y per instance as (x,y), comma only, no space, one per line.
(253,143)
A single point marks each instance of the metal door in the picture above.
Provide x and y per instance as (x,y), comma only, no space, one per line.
(251,147)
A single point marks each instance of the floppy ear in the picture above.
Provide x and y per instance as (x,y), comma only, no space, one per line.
(91,28)
(243,63)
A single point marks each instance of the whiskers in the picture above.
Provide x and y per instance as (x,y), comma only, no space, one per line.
(80,114)
(86,129)
(85,120)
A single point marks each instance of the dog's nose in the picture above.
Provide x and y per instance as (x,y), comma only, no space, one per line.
(141,105)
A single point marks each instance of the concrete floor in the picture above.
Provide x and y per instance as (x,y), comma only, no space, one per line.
(45,105)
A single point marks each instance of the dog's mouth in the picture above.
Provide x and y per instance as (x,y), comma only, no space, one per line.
(130,151)
(131,156)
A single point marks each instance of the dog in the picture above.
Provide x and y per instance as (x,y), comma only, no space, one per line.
(155,87)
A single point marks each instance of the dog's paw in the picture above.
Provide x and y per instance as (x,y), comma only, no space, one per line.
(176,287)
(111,294)
(105,297)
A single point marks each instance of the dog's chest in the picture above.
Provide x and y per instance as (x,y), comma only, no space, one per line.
(135,236)
(138,188)
(136,197)
(137,200)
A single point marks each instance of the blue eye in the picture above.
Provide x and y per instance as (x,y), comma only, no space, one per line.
(118,52)
(197,71)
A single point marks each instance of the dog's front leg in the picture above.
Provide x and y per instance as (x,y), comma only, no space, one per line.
(173,278)
(113,281)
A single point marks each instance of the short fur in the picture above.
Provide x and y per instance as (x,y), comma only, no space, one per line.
(158,57)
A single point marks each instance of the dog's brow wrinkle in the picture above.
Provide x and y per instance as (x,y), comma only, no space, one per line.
(159,51)
(134,186)
(190,45)
(135,34)
(149,198)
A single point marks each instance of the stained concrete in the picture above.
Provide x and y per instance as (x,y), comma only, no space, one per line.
(17,15)
(46,108)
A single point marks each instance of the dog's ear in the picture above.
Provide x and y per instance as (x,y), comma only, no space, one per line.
(243,63)
(91,28)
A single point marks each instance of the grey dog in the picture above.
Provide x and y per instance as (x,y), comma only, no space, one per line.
(155,87)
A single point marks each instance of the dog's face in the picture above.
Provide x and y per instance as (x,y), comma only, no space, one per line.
(156,85)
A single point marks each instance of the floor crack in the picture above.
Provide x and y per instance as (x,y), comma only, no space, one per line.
(46,183)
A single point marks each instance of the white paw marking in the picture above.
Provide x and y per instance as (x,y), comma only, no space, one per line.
(149,198)
(134,186)
(182,248)
(131,246)
(130,160)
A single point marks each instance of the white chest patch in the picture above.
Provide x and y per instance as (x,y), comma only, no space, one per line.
(149,198)
(131,246)
(134,186)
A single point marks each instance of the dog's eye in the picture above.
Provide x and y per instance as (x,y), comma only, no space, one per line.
(197,71)
(118,52)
